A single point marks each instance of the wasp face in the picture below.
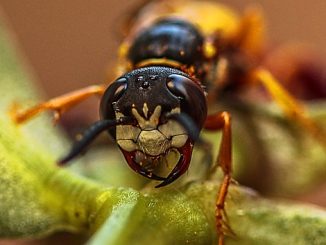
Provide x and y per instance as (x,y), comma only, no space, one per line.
(159,100)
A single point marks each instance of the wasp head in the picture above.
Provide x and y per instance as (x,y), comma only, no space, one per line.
(166,107)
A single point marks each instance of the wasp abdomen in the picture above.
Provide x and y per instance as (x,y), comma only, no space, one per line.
(173,39)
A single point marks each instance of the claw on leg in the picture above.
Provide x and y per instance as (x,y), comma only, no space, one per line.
(222,221)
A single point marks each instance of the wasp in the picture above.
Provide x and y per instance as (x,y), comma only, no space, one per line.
(178,59)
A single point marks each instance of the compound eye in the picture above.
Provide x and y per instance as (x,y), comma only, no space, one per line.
(177,84)
(191,95)
(117,89)
(111,96)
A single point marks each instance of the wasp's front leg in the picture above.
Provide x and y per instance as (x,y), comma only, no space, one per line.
(58,105)
(222,121)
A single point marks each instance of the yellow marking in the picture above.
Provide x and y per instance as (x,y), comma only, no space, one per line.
(123,49)
(127,145)
(156,115)
(210,17)
(151,138)
(153,142)
(175,110)
(141,121)
(153,120)
(159,61)
(145,109)
(124,132)
(179,140)
(209,50)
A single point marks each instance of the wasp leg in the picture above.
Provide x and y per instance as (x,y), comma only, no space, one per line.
(222,121)
(58,105)
(290,106)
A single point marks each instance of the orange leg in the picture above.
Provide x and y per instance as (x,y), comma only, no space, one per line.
(58,105)
(222,121)
(290,106)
